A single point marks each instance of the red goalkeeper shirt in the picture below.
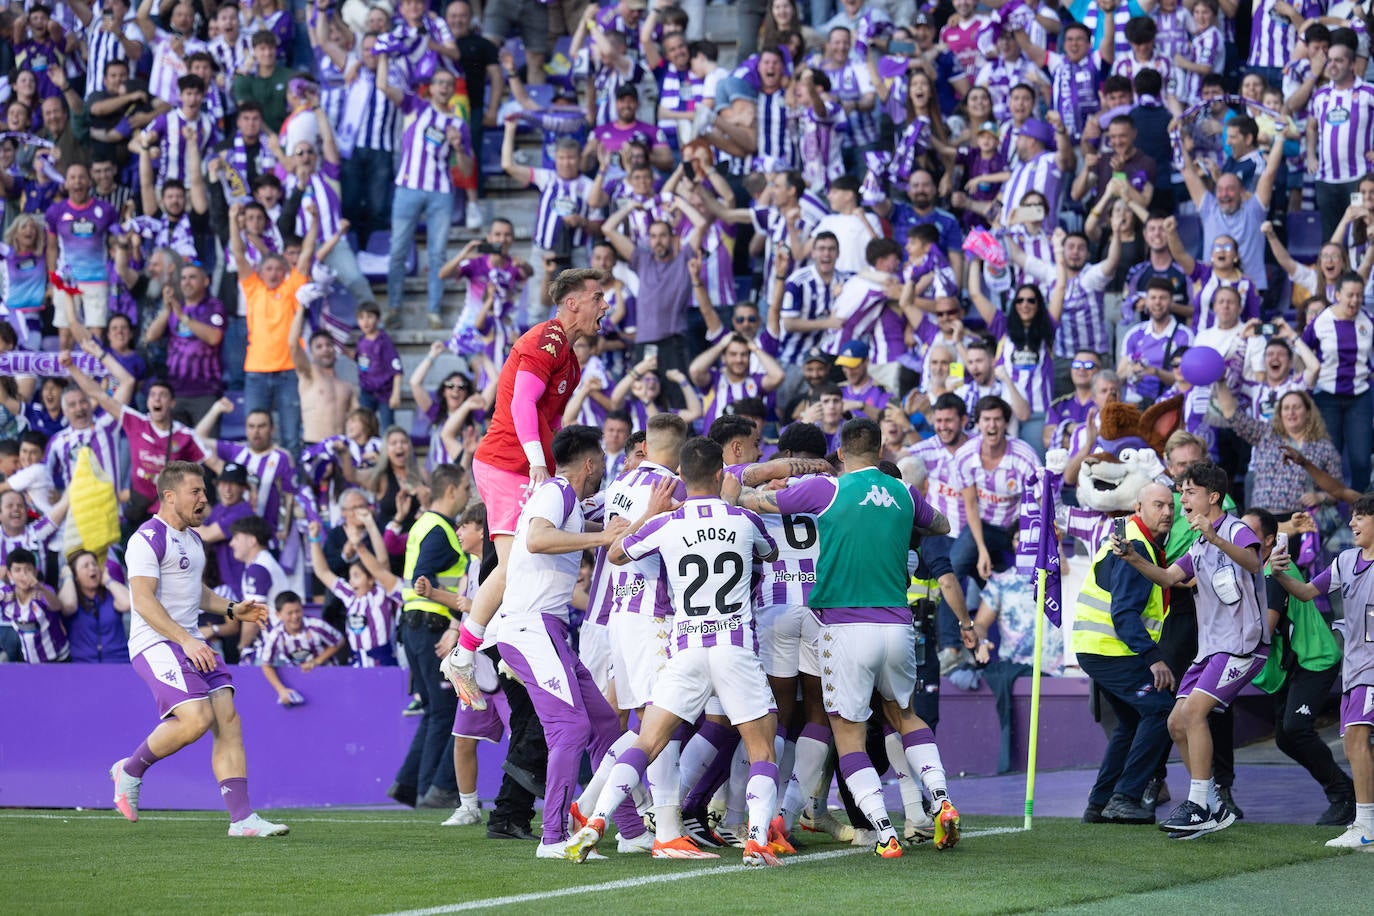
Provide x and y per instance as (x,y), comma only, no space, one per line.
(546,354)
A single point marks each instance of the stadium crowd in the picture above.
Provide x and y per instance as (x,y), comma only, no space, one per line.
(975,225)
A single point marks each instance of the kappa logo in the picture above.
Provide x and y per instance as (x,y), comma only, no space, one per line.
(550,349)
(554,684)
(878,496)
(224,790)
(828,671)
(1303,710)
(1368,699)
(1234,672)
(171,675)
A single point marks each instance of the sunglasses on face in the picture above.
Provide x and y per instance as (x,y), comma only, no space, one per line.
(1223,246)
(949,314)
(1031,299)
(1083,364)
(746,319)
(455,386)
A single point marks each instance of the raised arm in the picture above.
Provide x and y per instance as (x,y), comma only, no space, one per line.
(318,563)
(611,229)
(299,359)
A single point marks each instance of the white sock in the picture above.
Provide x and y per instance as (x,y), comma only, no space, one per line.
(468,800)
(696,756)
(592,790)
(867,790)
(1198,792)
(909,788)
(663,788)
(807,767)
(622,779)
(737,785)
(1364,816)
(924,759)
(762,799)
(793,802)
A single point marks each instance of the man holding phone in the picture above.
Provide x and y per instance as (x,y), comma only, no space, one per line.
(1117,623)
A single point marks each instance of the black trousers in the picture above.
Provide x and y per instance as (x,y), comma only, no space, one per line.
(1178,645)
(1296,706)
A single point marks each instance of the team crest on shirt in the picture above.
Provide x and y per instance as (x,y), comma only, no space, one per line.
(185,563)
(563,386)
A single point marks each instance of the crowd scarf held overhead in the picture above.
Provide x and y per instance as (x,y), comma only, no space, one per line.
(1194,112)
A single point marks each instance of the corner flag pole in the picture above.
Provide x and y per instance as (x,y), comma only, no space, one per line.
(1034,735)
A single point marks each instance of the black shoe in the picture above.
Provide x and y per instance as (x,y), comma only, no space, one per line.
(440,798)
(508,830)
(402,795)
(1122,810)
(1229,801)
(1340,814)
(1093,815)
(1156,791)
(697,828)
(531,782)
(1189,817)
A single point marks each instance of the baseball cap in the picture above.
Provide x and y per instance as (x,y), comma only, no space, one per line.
(636,4)
(1039,130)
(816,355)
(921,19)
(852,354)
(234,473)
(988,127)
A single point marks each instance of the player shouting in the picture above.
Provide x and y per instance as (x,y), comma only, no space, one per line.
(191,684)
(536,383)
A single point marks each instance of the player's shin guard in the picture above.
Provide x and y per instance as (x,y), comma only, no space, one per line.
(592,791)
(867,790)
(663,787)
(813,746)
(627,773)
(761,797)
(909,787)
(924,758)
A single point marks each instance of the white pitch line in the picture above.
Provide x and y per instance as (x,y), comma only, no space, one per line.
(92,813)
(643,880)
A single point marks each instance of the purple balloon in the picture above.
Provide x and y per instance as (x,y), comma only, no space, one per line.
(1202,366)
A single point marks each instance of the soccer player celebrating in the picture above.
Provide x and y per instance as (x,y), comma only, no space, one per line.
(537,381)
(1233,636)
(865,520)
(707,548)
(1349,575)
(191,684)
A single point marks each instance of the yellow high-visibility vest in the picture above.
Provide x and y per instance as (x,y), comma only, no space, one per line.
(1093,631)
(449,580)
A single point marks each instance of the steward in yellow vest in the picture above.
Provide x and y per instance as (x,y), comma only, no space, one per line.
(1118,619)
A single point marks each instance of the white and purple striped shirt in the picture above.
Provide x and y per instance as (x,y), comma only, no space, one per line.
(809,297)
(1344,348)
(707,549)
(41,633)
(819,143)
(1174,31)
(102,436)
(1272,37)
(999,490)
(850,83)
(943,490)
(787,580)
(425,146)
(860,304)
(271,471)
(774,139)
(721,392)
(1130,67)
(677,92)
(283,649)
(1345,131)
(1040,174)
(323,189)
(999,75)
(230,56)
(105,46)
(34,538)
(1032,371)
(1073,91)
(171,164)
(1207,47)
(636,588)
(559,198)
(169,66)
(1083,325)
(771,222)
(371,620)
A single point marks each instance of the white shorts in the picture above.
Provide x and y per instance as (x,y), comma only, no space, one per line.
(809,654)
(733,673)
(594,648)
(779,629)
(859,658)
(639,649)
(95,305)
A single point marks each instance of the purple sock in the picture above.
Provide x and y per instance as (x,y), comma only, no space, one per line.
(816,732)
(764,768)
(140,760)
(918,737)
(636,758)
(235,792)
(853,763)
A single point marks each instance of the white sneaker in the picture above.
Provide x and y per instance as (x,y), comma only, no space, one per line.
(733,834)
(642,843)
(254,825)
(464,816)
(920,827)
(126,790)
(558,851)
(464,681)
(825,822)
(864,837)
(474,214)
(1353,838)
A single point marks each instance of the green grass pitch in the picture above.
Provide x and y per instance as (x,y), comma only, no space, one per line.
(369,861)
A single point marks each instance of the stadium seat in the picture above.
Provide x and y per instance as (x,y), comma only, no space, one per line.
(373,259)
(231,425)
(1190,232)
(419,428)
(541,94)
(1304,236)
(491,153)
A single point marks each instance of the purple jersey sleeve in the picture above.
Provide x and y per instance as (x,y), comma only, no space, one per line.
(811,496)
(1322,583)
(644,542)
(1244,537)
(925,512)
(257,581)
(1185,563)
